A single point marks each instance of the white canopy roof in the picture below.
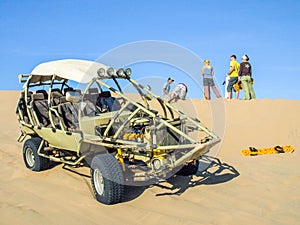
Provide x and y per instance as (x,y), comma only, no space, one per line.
(82,71)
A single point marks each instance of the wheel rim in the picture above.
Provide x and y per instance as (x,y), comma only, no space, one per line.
(99,181)
(29,157)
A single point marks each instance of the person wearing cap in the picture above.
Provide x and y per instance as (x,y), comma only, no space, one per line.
(208,82)
(167,86)
(233,76)
(245,76)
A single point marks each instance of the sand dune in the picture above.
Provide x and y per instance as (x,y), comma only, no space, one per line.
(233,190)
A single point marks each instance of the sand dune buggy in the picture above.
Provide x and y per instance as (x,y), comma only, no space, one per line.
(75,112)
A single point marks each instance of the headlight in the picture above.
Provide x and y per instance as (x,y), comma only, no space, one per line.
(101,72)
(128,71)
(156,163)
(110,71)
(120,72)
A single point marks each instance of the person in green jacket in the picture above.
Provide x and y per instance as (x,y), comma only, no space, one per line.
(245,76)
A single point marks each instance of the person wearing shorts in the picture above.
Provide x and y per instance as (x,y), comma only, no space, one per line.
(233,75)
(208,82)
(179,92)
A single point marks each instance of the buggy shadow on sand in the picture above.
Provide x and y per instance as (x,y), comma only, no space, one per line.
(209,171)
(212,171)
(75,112)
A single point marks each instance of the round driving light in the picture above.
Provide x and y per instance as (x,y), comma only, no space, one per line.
(120,72)
(156,163)
(101,72)
(128,71)
(110,71)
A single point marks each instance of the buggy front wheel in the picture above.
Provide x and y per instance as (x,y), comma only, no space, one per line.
(107,179)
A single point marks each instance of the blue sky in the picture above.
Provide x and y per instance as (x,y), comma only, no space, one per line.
(32,32)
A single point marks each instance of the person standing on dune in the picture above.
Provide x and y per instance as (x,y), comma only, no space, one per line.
(245,76)
(208,82)
(233,75)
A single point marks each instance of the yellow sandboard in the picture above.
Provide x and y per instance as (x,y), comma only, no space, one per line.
(263,151)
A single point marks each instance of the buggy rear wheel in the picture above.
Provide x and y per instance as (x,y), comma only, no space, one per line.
(31,158)
(107,179)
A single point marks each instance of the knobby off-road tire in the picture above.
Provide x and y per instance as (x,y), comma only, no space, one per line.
(107,179)
(31,158)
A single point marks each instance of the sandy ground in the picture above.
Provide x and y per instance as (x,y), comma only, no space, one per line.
(233,190)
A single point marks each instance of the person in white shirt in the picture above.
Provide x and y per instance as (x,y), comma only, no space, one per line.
(179,92)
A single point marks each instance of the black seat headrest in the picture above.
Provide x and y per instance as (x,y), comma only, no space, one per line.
(44,92)
(56,94)
(93,90)
(105,94)
(38,96)
(56,90)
